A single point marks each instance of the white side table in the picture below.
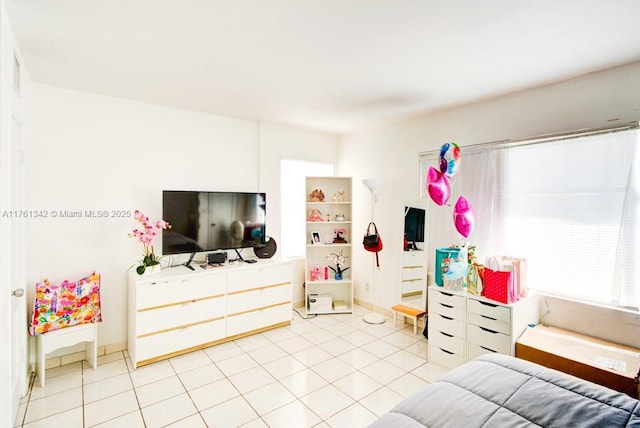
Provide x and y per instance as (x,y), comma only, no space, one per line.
(65,337)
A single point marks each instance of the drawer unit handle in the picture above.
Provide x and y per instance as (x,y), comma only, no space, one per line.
(487,303)
(489,318)
(487,349)
(448,352)
(447,318)
(446,306)
(445,334)
(488,330)
(446,294)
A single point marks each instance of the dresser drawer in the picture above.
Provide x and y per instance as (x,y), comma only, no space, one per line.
(489,339)
(242,301)
(489,310)
(247,279)
(413,258)
(179,314)
(444,358)
(446,341)
(156,345)
(164,292)
(413,273)
(491,324)
(442,299)
(258,318)
(453,327)
(474,351)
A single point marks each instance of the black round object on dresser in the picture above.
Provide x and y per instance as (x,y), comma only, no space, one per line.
(267,250)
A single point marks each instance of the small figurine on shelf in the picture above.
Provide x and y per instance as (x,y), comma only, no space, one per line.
(339,236)
(316,196)
(328,217)
(316,274)
(342,196)
(315,215)
(334,198)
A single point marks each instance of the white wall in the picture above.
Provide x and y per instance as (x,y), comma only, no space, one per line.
(391,153)
(90,152)
(277,142)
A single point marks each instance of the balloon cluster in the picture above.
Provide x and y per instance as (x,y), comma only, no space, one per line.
(440,190)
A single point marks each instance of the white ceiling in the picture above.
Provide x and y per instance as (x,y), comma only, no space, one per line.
(335,66)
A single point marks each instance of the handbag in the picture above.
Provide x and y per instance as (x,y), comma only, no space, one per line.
(372,241)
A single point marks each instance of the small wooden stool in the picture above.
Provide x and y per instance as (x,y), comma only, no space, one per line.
(407,312)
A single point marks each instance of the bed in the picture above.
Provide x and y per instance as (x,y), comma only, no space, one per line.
(496,390)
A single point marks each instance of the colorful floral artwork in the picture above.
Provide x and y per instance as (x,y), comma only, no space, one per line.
(66,304)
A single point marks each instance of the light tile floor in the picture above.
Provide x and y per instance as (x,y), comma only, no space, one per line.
(324,371)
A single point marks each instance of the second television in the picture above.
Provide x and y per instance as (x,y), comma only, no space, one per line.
(208,221)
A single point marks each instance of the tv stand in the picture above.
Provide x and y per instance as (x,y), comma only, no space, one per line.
(188,262)
(241,258)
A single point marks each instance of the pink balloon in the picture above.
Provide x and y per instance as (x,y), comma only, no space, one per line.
(463,217)
(438,186)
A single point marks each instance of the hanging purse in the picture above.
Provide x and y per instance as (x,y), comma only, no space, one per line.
(372,241)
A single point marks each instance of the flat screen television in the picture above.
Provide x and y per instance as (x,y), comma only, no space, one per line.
(209,221)
(414,224)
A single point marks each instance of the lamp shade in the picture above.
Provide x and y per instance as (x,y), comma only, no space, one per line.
(372,183)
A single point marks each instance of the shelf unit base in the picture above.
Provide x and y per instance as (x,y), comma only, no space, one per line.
(374,318)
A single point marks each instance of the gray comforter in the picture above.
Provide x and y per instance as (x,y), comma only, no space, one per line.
(500,391)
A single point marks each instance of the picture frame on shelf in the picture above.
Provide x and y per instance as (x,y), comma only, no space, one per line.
(316,239)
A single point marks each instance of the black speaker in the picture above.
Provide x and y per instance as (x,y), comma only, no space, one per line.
(267,250)
(216,258)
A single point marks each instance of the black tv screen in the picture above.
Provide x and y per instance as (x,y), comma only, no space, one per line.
(414,224)
(208,221)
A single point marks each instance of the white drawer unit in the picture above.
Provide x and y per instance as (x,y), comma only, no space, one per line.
(177,311)
(464,326)
(414,273)
(495,327)
(447,327)
(258,299)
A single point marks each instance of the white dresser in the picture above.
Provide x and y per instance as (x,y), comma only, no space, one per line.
(414,273)
(178,310)
(463,326)
(447,327)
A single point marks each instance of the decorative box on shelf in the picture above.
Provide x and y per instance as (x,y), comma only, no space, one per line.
(320,302)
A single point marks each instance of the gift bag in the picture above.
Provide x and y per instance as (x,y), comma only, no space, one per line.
(519,267)
(474,278)
(498,285)
(444,257)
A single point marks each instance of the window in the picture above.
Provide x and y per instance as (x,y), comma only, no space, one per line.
(292,195)
(570,205)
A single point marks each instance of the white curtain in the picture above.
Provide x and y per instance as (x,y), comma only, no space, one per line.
(627,271)
(479,181)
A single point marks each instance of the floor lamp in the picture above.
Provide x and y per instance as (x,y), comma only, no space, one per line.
(372,317)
